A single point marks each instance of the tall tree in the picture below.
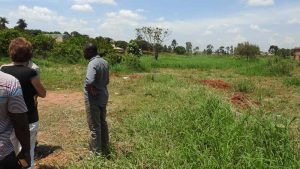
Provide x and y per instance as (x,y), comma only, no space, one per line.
(247,49)
(221,50)
(154,35)
(227,50)
(174,44)
(196,50)
(3,22)
(273,49)
(21,24)
(189,47)
(231,50)
(209,49)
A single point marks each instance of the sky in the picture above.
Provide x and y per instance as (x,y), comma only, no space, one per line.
(202,22)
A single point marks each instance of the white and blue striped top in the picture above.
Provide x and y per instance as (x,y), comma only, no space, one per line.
(11,100)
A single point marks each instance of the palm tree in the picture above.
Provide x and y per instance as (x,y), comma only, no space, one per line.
(3,22)
(21,24)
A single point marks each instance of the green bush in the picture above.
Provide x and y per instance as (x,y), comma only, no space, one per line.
(134,49)
(42,44)
(6,35)
(278,67)
(246,49)
(113,58)
(67,53)
(133,62)
(180,50)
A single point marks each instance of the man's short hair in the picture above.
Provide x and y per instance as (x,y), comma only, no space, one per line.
(91,49)
(20,50)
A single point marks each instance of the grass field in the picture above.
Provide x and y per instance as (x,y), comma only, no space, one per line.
(167,117)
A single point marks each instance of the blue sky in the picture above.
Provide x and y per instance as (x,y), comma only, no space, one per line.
(202,22)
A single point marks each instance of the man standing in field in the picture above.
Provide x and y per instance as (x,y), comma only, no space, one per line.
(13,115)
(96,98)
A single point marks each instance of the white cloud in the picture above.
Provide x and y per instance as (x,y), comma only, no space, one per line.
(207,33)
(36,13)
(109,2)
(233,30)
(48,20)
(258,28)
(82,7)
(294,21)
(160,19)
(119,24)
(260,2)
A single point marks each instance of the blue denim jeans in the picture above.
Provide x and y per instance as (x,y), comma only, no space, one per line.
(96,118)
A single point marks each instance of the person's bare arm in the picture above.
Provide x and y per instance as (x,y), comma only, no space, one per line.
(20,124)
(36,82)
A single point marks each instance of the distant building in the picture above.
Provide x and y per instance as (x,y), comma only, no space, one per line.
(57,37)
(118,50)
(297,54)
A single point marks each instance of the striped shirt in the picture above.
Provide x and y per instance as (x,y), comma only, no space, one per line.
(11,100)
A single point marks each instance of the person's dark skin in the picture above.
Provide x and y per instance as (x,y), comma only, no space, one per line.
(20,124)
(90,51)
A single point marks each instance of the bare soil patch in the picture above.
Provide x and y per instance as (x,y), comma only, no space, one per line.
(242,101)
(219,84)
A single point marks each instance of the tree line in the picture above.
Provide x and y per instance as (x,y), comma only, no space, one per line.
(149,40)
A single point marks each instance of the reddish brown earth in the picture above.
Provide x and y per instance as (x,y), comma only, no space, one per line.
(219,84)
(242,101)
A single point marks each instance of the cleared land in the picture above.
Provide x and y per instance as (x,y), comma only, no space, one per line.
(185,112)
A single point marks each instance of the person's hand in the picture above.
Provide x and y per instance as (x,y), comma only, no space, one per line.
(92,90)
(24,159)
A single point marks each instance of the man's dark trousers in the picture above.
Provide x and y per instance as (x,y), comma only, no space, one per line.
(96,118)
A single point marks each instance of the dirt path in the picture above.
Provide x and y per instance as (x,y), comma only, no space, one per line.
(57,141)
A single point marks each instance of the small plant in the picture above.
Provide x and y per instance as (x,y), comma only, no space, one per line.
(293,81)
(278,67)
(246,86)
(133,62)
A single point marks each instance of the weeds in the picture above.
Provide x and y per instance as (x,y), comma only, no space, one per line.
(246,86)
(182,126)
(292,81)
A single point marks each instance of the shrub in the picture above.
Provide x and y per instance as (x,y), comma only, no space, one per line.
(113,58)
(67,53)
(104,45)
(284,53)
(180,50)
(246,49)
(134,49)
(278,66)
(133,62)
(42,44)
(6,35)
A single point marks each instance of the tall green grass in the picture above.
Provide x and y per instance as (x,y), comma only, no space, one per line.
(176,124)
(252,67)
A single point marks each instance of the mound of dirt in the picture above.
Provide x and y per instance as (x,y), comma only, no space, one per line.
(219,84)
(241,100)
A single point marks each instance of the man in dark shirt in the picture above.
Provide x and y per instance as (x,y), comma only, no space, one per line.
(96,98)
